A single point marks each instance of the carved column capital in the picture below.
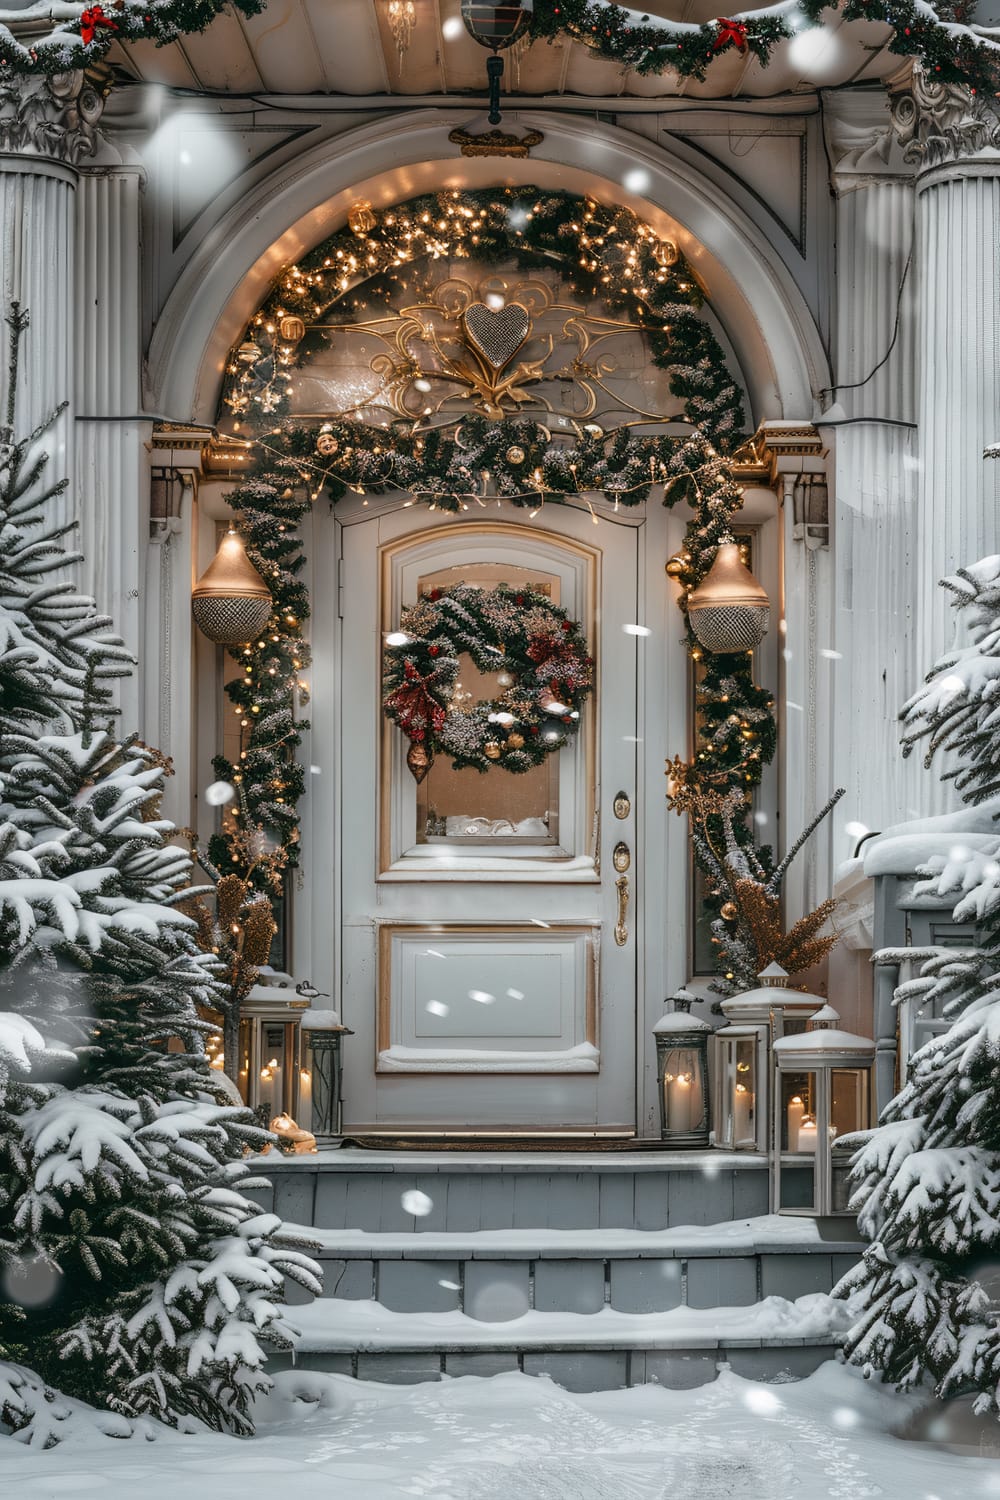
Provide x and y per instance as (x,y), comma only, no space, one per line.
(53,116)
(939,123)
(863,148)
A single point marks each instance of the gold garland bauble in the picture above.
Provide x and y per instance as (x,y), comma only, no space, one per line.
(292,328)
(729,912)
(729,611)
(515,455)
(326,444)
(361,218)
(231,603)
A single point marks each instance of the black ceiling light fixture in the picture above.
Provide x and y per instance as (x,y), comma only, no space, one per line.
(497,27)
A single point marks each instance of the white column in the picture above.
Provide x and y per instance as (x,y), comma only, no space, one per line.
(112,467)
(49,124)
(954,139)
(868,659)
(171,680)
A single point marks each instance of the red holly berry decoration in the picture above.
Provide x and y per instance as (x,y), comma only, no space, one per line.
(433,650)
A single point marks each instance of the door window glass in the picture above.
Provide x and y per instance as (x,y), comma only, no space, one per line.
(468,806)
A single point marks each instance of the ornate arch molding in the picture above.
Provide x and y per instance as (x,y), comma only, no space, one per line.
(284,214)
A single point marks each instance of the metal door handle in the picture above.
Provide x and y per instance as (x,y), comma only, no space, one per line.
(622,859)
(621,926)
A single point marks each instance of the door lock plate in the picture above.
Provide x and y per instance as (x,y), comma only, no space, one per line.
(621,858)
(622,805)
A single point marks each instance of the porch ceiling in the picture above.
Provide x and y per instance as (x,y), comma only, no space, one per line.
(345,47)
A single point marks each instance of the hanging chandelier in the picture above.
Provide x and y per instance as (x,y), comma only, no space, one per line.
(496,27)
(402,17)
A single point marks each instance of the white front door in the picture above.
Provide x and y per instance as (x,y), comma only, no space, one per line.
(488,922)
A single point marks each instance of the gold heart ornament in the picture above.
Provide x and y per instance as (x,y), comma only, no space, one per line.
(496,336)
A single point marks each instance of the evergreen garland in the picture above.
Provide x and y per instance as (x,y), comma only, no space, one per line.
(265,696)
(938,37)
(935,36)
(606,253)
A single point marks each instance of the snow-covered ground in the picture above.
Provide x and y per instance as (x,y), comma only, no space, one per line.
(519,1438)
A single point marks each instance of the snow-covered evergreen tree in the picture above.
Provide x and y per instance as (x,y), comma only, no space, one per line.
(928,1177)
(120,1160)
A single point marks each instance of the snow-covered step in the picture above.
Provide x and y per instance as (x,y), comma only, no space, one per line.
(461,1192)
(595,1351)
(501,1274)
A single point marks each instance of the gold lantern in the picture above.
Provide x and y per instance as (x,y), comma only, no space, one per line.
(729,610)
(361,218)
(292,328)
(231,602)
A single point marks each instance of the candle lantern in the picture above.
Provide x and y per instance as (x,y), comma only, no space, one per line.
(270,1050)
(682,1075)
(742,1064)
(822,1093)
(323,1074)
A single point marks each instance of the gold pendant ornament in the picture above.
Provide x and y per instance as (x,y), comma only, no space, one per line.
(729,610)
(491,750)
(419,761)
(231,603)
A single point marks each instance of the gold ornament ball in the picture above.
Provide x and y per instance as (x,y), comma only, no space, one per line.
(491,750)
(515,742)
(361,218)
(292,329)
(326,444)
(729,912)
(666,254)
(515,455)
(675,567)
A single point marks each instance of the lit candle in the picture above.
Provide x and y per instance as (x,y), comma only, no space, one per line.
(679,1102)
(305,1098)
(796,1112)
(807,1134)
(743,1113)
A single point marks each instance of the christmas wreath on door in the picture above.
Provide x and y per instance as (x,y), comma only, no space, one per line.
(536,652)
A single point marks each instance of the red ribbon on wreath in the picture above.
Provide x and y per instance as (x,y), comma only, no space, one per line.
(543,649)
(93,17)
(732,33)
(414,705)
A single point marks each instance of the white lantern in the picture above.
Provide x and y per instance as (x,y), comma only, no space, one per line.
(822,1092)
(743,1056)
(269,1069)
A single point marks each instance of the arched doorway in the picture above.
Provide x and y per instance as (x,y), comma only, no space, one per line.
(434,1068)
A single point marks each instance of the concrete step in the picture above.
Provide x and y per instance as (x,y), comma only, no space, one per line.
(462,1192)
(774,1338)
(496,1275)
